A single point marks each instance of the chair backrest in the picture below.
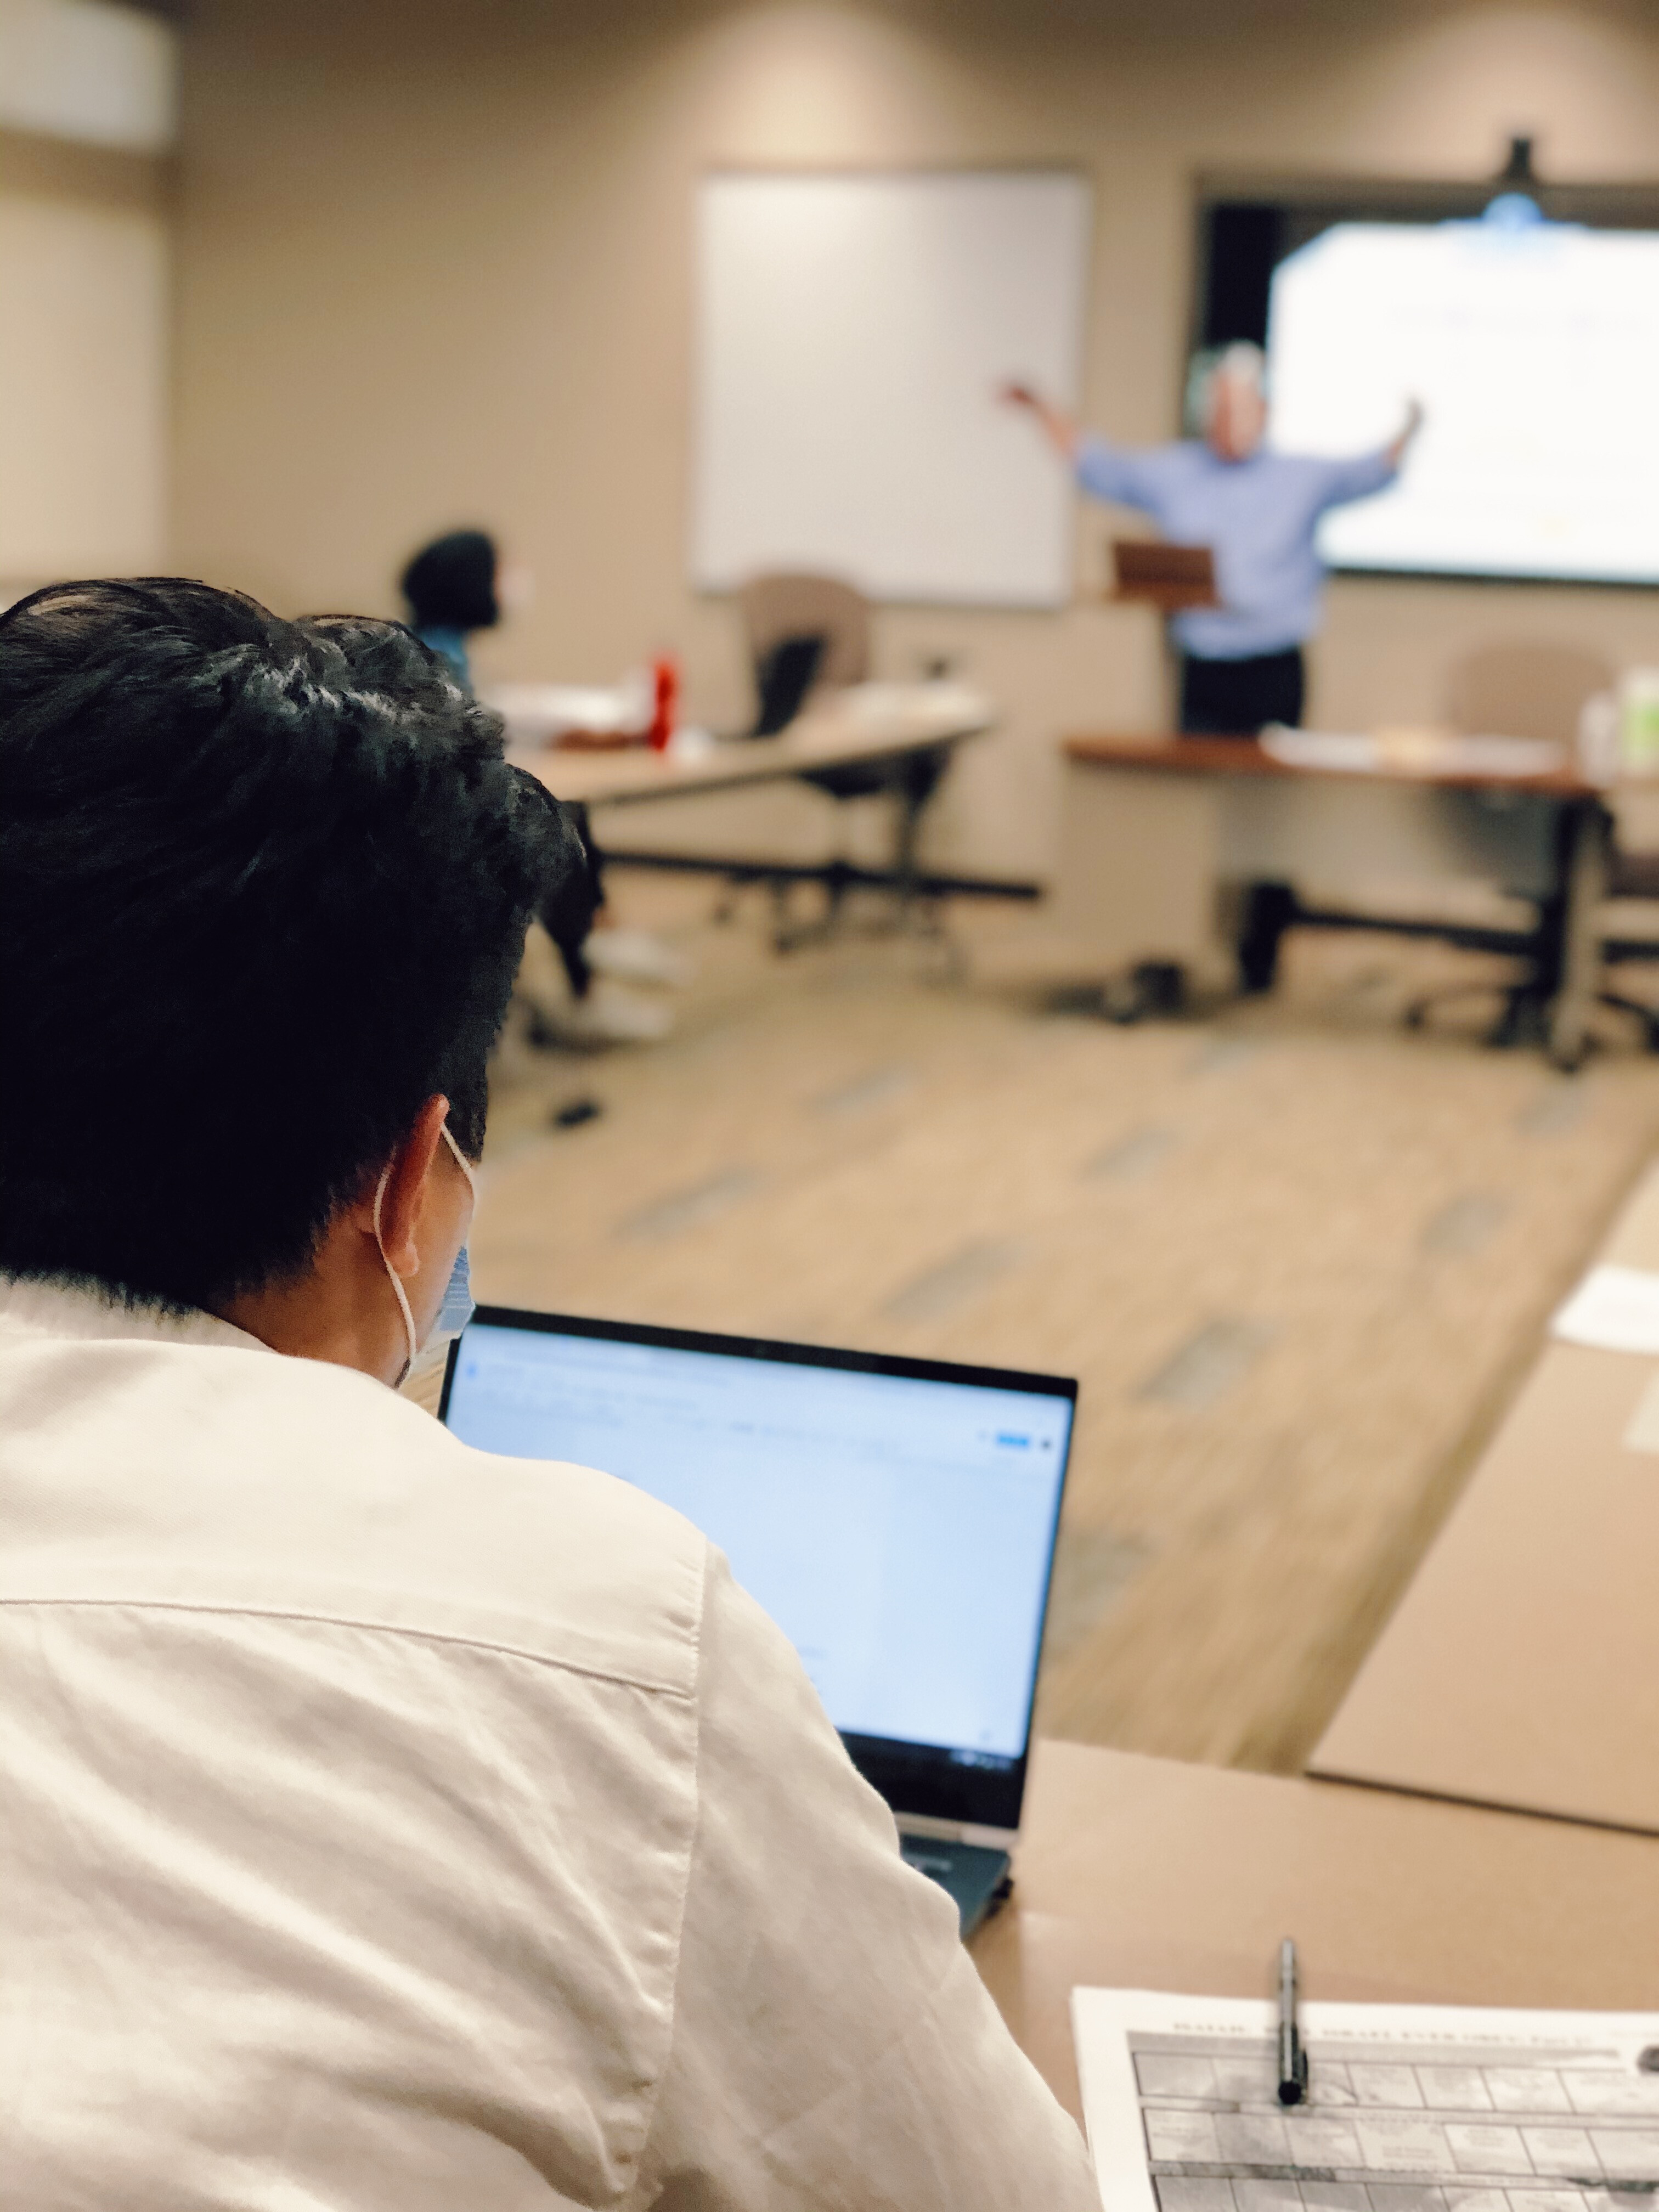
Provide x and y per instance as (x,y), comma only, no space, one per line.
(791,605)
(784,674)
(1517,690)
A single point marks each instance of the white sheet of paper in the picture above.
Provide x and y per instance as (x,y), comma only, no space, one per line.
(1643,1433)
(1428,2108)
(1352,752)
(1425,753)
(1614,1310)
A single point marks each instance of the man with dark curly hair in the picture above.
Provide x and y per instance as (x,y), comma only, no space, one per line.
(383,1824)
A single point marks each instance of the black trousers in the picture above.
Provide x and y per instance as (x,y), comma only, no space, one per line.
(1237,698)
(576,872)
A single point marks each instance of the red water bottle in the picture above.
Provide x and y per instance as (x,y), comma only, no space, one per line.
(665,694)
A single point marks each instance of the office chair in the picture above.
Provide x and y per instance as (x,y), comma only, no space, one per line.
(785,615)
(1517,690)
(784,675)
(786,604)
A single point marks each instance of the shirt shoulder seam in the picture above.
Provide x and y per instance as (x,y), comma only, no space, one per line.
(320,1617)
(655,2107)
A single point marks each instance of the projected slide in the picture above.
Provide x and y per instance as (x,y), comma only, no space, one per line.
(1532,345)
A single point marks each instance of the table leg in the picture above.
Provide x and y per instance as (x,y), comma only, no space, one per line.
(1583,860)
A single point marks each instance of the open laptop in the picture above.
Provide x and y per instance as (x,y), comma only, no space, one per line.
(897,1518)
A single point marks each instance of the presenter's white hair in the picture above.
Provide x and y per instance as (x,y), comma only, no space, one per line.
(1217,365)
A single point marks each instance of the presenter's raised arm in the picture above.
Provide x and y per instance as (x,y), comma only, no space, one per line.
(1057,426)
(1402,443)
(1362,476)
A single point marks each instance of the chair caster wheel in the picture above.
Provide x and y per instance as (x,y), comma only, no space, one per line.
(1155,986)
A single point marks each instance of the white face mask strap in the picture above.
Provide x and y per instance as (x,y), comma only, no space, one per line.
(461,1161)
(396,1283)
(402,1296)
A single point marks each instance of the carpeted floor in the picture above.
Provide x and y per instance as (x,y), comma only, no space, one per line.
(1296,1258)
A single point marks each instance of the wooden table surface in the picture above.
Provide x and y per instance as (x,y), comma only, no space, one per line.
(1522,1666)
(1246,756)
(1145,1873)
(1147,820)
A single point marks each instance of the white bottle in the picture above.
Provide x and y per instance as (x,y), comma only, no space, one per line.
(1599,752)
(1638,721)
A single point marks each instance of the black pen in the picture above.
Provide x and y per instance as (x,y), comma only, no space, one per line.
(1292,2058)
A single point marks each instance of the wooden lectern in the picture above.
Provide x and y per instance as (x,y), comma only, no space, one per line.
(1171,578)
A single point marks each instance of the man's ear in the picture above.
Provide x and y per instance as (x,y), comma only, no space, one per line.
(405,1188)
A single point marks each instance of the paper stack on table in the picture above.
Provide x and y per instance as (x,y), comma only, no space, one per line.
(1617,1310)
(1412,752)
(1613,1309)
(1410,2108)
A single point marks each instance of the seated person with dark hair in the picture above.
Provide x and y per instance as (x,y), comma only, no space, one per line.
(454,586)
(449,587)
(385,1824)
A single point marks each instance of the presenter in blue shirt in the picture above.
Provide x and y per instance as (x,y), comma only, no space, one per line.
(1257,511)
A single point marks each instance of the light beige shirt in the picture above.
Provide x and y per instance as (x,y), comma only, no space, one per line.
(383,1824)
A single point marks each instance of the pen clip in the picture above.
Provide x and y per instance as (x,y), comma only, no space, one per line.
(1292,2058)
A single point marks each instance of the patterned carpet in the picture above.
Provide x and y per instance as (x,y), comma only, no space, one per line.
(1296,1257)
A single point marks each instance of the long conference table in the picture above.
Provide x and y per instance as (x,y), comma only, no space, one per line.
(1154,829)
(1149,1874)
(883,730)
(865,725)
(1522,1666)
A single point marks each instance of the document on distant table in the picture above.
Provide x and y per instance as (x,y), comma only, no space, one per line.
(1614,1309)
(1410,2108)
(1412,752)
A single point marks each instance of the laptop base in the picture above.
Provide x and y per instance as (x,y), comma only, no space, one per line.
(977,1877)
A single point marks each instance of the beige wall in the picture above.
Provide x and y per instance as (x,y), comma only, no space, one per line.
(435,267)
(84,397)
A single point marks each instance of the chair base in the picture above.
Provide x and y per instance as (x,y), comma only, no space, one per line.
(1523,1017)
(913,911)
(1151,988)
(1647,1016)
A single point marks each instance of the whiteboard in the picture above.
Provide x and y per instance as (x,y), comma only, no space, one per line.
(852,330)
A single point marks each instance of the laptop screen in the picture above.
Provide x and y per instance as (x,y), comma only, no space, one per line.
(896,1517)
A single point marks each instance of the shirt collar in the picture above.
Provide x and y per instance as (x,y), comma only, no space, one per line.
(65,1310)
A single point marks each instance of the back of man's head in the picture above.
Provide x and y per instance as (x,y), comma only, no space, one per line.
(264,888)
(1219,372)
